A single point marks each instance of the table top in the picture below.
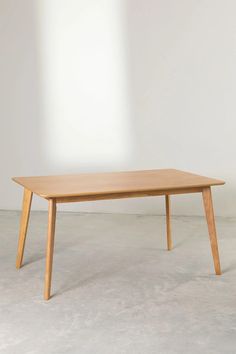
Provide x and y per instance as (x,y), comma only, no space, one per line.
(89,184)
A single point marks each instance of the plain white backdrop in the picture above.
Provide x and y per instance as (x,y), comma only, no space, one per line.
(105,85)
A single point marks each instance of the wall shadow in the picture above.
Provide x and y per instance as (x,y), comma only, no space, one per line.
(21,98)
(179,115)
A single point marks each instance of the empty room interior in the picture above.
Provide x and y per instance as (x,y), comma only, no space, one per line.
(118,177)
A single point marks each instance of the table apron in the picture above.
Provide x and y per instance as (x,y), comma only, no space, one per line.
(136,194)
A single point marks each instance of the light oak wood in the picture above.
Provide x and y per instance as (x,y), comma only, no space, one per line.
(26,205)
(207,199)
(122,195)
(99,186)
(168,223)
(95,184)
(50,247)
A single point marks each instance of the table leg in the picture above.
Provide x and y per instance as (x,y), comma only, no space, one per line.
(50,247)
(209,211)
(168,224)
(26,205)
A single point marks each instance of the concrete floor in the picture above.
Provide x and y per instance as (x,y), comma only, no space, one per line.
(116,289)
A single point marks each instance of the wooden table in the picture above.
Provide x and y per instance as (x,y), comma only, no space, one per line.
(97,186)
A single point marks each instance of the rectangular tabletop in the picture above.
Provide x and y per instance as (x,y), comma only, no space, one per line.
(95,184)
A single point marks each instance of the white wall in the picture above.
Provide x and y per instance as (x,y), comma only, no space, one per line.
(99,85)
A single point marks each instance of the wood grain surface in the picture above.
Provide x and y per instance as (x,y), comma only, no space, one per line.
(89,184)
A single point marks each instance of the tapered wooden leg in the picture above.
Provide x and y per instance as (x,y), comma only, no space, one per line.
(207,199)
(50,247)
(168,224)
(26,205)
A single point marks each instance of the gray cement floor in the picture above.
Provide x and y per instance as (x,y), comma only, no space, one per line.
(116,289)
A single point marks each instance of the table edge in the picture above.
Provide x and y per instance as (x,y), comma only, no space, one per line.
(52,196)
